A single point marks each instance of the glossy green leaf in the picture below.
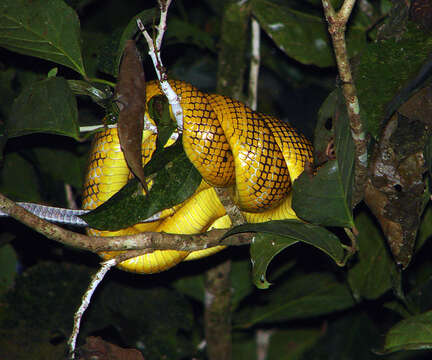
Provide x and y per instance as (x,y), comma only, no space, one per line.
(263,249)
(111,52)
(384,68)
(48,29)
(314,235)
(301,35)
(321,199)
(172,184)
(46,106)
(298,297)
(371,275)
(414,333)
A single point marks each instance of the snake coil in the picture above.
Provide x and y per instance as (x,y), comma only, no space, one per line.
(258,155)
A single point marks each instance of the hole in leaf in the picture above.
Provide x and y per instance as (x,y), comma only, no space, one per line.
(328,124)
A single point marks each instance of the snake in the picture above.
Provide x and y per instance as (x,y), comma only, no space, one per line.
(256,156)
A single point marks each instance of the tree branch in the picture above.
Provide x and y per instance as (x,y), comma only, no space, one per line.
(138,242)
(336,27)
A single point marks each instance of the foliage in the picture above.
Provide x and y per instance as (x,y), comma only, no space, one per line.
(58,66)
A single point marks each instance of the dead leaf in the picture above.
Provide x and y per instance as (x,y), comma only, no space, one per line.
(131,99)
(395,190)
(96,348)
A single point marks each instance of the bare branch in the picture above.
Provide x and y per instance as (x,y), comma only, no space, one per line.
(148,240)
(336,27)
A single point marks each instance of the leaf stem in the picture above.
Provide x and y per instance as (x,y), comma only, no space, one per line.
(102,81)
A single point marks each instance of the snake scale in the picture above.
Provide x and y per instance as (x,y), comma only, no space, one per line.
(257,155)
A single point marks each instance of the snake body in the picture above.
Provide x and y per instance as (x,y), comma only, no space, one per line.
(257,155)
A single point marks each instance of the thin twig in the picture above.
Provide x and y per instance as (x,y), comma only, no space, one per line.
(254,64)
(154,52)
(95,281)
(337,27)
(70,199)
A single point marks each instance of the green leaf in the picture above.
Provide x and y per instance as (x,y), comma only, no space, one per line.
(345,152)
(324,129)
(172,184)
(428,156)
(414,333)
(159,111)
(241,285)
(263,249)
(385,68)
(8,91)
(298,297)
(300,35)
(112,50)
(231,49)
(321,199)
(18,179)
(91,43)
(314,235)
(371,276)
(48,29)
(60,164)
(188,33)
(46,106)
(425,229)
(191,285)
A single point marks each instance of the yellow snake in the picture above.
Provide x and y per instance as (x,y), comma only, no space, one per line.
(258,155)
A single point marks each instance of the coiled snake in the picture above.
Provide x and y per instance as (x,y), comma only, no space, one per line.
(259,156)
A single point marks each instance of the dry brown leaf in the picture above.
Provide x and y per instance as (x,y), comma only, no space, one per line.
(131,98)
